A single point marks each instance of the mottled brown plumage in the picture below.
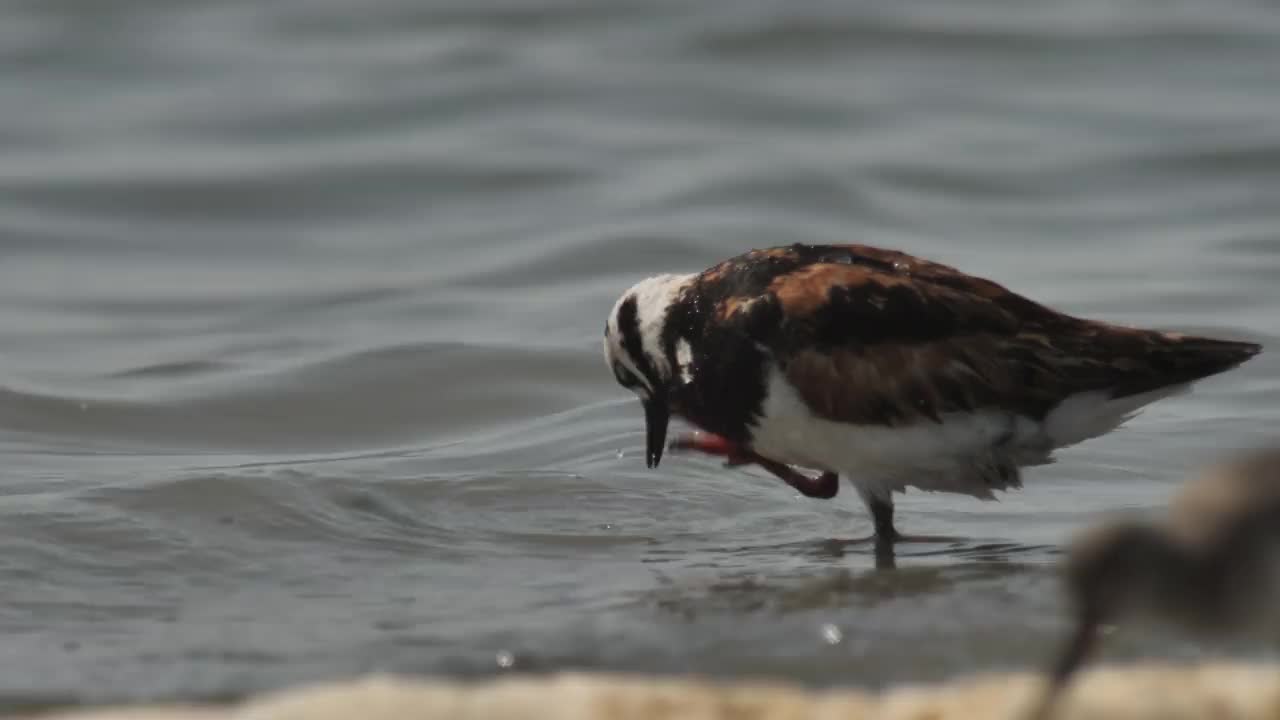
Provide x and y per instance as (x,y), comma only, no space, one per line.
(878,336)
(891,369)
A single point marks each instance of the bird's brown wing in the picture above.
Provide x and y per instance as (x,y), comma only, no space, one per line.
(867,335)
(865,345)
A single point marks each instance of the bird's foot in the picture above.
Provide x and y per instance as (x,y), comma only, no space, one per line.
(925,539)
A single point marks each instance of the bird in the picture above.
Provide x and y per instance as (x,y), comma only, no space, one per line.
(890,369)
(1210,565)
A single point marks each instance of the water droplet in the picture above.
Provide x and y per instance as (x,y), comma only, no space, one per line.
(621,454)
(84,406)
(832,634)
(505,659)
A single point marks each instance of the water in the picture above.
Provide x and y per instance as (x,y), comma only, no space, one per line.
(301,305)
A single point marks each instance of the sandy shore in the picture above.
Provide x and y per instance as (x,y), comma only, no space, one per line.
(1218,691)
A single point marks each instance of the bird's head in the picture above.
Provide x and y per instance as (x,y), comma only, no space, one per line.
(635,350)
(1110,572)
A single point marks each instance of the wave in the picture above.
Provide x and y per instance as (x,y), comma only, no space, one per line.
(420,395)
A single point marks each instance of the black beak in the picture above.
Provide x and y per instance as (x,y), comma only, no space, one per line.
(656,415)
(1073,656)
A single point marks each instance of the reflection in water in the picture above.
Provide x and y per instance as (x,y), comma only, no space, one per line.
(886,554)
(820,585)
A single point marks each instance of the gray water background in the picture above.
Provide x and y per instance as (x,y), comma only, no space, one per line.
(301,305)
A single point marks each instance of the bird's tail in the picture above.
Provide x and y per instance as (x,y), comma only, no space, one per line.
(1167,359)
(1122,370)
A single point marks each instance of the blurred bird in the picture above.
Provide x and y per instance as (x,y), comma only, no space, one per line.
(1208,566)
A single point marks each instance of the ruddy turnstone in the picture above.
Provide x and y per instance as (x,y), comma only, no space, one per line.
(894,370)
(1210,565)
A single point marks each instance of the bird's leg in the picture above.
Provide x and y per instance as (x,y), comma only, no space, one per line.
(882,519)
(711,444)
(885,534)
(824,486)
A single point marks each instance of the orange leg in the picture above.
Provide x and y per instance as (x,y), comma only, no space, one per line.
(824,486)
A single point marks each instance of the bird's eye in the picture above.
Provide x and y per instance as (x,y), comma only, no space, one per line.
(632,382)
(625,377)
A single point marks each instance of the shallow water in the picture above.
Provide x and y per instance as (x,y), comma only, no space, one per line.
(301,302)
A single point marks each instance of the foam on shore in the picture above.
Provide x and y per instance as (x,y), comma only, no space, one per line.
(1222,691)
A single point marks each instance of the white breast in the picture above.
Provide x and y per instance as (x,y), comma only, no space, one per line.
(954,455)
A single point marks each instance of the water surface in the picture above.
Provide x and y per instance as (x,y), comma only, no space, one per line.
(301,303)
